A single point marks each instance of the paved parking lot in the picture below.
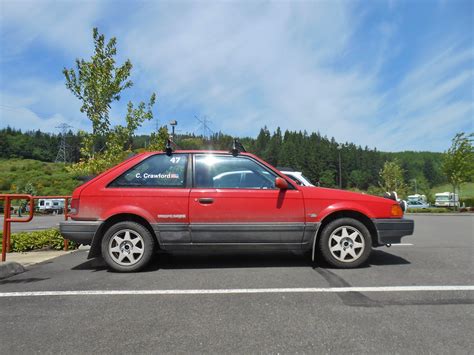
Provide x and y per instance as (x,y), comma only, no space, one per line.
(300,310)
(37,223)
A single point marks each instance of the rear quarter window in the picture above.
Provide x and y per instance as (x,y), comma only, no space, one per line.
(158,170)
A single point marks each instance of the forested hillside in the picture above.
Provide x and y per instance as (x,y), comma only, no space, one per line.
(314,154)
(35,145)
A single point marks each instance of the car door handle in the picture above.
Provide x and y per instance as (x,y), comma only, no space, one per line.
(206,200)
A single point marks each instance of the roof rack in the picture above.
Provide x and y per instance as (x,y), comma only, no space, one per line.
(237,148)
(169,148)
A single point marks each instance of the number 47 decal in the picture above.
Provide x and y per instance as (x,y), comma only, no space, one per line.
(175,160)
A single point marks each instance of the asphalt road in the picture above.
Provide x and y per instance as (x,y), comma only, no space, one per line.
(37,223)
(385,321)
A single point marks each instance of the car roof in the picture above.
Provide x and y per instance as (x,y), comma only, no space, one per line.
(190,151)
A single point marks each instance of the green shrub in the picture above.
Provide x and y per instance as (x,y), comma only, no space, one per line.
(50,239)
(429,210)
(469,202)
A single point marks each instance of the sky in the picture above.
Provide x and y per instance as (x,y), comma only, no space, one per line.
(395,75)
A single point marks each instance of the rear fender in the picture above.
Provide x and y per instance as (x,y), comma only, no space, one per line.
(95,249)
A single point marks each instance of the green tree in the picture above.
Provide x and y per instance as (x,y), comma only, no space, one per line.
(97,83)
(458,162)
(327,178)
(158,140)
(274,146)
(391,176)
(261,144)
(28,189)
(357,178)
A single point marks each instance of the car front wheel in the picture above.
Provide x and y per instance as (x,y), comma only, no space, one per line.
(127,246)
(345,243)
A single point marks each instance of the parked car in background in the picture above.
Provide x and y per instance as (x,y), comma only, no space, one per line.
(202,200)
(417,197)
(447,199)
(417,204)
(296,176)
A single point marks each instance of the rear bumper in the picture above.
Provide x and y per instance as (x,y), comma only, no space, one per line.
(81,232)
(391,231)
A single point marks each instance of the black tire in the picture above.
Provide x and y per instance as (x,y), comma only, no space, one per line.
(139,240)
(351,253)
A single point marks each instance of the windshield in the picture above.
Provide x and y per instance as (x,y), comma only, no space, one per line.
(442,198)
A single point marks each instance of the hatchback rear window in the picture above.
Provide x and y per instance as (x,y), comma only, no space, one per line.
(159,170)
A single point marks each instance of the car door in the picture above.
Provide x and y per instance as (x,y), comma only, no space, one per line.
(234,200)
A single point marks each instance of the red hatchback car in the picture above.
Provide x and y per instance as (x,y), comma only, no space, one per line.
(219,200)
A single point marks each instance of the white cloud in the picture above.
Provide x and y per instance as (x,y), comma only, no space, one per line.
(59,24)
(26,119)
(432,102)
(38,104)
(261,64)
(246,65)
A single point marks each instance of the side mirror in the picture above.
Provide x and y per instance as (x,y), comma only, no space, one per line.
(281,183)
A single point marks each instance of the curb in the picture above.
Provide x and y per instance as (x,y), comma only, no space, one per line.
(10,268)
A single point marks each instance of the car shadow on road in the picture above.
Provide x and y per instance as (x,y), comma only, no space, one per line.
(23,281)
(381,257)
(235,260)
(221,260)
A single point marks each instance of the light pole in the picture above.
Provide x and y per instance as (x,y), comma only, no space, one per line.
(339,147)
(173,124)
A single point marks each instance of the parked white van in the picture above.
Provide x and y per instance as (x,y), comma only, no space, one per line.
(447,199)
(47,205)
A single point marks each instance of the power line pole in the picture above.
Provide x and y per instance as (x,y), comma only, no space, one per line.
(204,126)
(62,151)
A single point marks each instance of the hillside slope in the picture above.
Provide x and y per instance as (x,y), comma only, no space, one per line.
(47,178)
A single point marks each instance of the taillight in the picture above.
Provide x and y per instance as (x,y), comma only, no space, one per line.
(396,211)
(74,206)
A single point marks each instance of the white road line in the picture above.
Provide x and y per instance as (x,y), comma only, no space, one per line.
(401,244)
(238,291)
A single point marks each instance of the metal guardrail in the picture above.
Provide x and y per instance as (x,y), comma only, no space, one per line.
(7,218)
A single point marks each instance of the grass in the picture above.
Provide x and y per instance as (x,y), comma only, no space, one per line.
(47,178)
(467,189)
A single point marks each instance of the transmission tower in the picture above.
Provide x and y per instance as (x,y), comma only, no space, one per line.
(62,152)
(204,126)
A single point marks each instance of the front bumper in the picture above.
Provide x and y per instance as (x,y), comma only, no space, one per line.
(81,232)
(391,231)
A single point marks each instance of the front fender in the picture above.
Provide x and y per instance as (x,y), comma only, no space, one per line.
(345,206)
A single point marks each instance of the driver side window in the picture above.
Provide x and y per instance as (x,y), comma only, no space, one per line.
(229,172)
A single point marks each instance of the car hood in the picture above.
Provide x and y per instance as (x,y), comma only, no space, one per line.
(336,194)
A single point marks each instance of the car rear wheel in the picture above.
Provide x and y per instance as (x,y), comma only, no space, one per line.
(127,246)
(345,243)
